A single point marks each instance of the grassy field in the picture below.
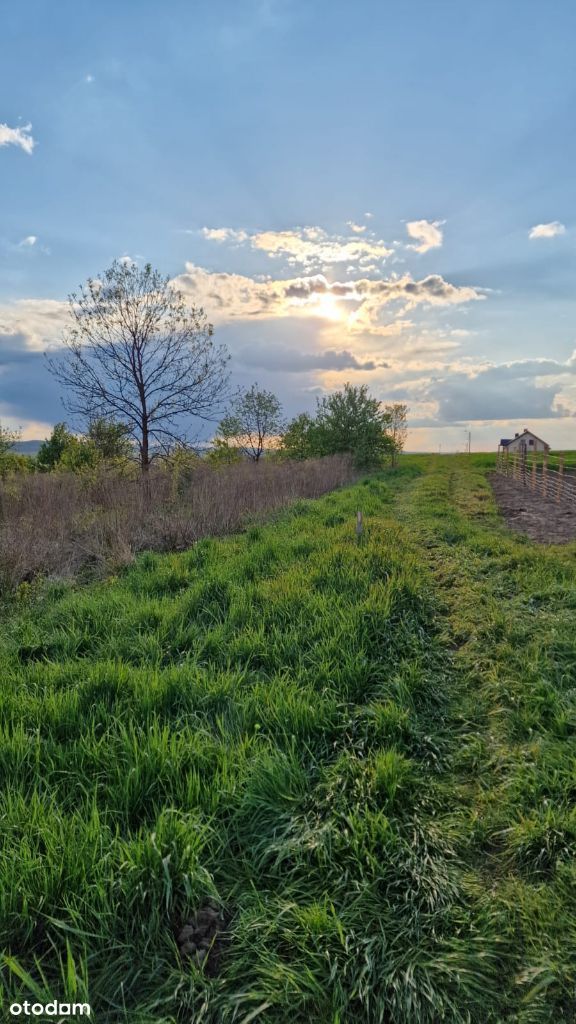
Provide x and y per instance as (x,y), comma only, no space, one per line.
(356,756)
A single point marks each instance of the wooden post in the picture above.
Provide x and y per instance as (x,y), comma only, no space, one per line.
(533,485)
(506,463)
(523,464)
(544,474)
(560,476)
(359,524)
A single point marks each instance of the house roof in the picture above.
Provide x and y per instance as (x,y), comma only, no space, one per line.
(508,440)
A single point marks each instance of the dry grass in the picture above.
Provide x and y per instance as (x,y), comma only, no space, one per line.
(61,524)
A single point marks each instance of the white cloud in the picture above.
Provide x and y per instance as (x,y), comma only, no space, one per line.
(358,229)
(228,296)
(39,322)
(224,235)
(309,247)
(17,137)
(28,242)
(331,327)
(550,230)
(314,247)
(358,305)
(427,233)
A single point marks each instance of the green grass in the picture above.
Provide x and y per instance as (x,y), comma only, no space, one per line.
(363,751)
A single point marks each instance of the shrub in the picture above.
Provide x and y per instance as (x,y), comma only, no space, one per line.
(59,524)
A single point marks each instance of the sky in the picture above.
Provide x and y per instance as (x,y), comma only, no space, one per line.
(375,192)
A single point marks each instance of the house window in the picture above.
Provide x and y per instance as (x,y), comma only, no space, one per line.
(531,442)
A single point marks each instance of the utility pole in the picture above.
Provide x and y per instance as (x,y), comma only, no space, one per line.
(468,440)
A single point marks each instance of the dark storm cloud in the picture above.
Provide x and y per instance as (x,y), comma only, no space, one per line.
(27,390)
(13,349)
(289,361)
(496,394)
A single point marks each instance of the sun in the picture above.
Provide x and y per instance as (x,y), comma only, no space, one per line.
(327,306)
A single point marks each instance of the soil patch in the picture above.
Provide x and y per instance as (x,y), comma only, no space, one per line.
(202,938)
(531,514)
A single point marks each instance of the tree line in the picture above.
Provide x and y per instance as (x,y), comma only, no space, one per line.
(138,363)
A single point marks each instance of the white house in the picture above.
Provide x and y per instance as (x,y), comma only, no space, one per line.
(526,441)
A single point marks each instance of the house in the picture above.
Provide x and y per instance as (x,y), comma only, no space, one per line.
(526,441)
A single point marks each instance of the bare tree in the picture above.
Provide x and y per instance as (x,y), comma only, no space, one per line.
(138,354)
(254,422)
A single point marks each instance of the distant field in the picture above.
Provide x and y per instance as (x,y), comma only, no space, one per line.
(352,759)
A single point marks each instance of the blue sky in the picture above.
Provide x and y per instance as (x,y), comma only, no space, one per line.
(377,192)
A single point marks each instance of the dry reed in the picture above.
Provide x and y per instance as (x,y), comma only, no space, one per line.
(60,524)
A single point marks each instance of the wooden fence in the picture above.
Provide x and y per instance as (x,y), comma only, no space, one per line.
(541,472)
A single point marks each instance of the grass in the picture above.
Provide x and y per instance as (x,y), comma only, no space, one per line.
(92,524)
(361,750)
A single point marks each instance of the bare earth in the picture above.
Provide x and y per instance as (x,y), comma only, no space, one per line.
(531,514)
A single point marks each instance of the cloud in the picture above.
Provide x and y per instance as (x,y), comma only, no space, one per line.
(17,137)
(223,235)
(461,399)
(28,244)
(308,247)
(286,360)
(432,289)
(29,393)
(228,296)
(304,287)
(359,305)
(315,247)
(358,229)
(307,328)
(550,230)
(38,322)
(508,391)
(88,79)
(427,233)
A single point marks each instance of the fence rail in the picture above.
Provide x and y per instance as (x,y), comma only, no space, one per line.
(542,473)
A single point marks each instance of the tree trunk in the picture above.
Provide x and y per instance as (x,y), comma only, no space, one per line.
(145,449)
(145,464)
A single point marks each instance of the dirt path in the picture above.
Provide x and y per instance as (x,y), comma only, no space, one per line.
(531,514)
(500,750)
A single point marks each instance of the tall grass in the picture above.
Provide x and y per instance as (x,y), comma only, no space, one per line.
(63,523)
(360,750)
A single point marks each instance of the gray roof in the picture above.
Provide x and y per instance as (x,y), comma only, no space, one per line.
(508,440)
